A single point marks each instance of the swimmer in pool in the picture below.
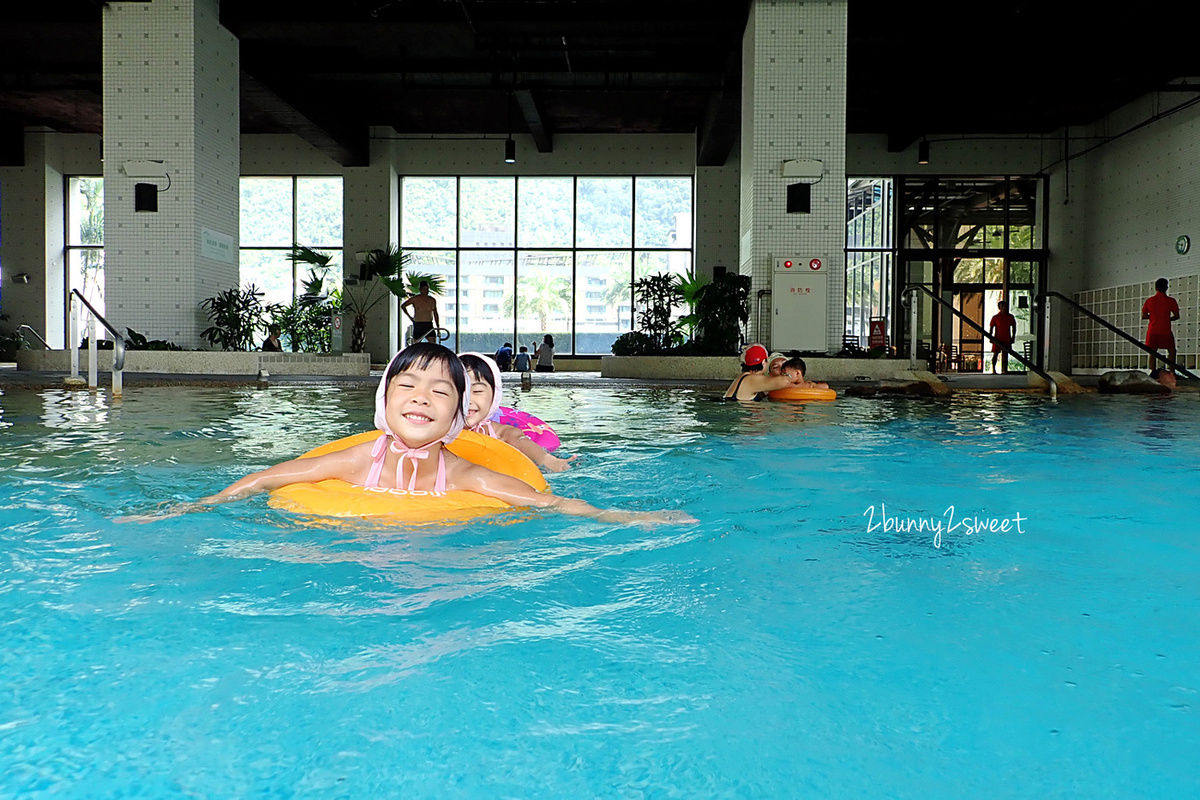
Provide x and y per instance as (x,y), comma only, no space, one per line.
(797,368)
(485,403)
(754,383)
(420,405)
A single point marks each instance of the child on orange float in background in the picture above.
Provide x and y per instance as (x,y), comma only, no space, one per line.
(420,405)
(485,403)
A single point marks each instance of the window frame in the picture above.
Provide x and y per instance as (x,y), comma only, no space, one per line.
(574,249)
(295,227)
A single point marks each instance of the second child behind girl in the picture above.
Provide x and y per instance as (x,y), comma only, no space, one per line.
(485,403)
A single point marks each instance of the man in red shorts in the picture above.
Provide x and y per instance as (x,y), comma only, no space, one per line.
(1161,310)
(1004,328)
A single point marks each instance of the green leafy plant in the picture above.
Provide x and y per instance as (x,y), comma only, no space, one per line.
(306,320)
(722,309)
(11,342)
(136,341)
(540,295)
(238,315)
(634,343)
(689,292)
(382,274)
(657,297)
(412,283)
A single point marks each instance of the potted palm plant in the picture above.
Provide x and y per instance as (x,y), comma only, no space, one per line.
(381,274)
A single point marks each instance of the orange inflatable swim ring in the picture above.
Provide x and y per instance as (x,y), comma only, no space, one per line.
(799,393)
(337,498)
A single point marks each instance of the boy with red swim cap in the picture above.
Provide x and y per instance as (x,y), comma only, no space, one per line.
(1161,310)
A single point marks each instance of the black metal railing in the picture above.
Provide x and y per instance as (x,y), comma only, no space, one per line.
(1097,318)
(1006,347)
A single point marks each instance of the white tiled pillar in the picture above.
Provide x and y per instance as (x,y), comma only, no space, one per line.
(372,220)
(170,95)
(793,108)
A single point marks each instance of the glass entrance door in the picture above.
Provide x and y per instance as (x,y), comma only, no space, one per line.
(973,242)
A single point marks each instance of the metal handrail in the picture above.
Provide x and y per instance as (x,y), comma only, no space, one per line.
(20,328)
(1006,346)
(118,339)
(1097,318)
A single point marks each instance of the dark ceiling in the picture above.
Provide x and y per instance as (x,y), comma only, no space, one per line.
(327,69)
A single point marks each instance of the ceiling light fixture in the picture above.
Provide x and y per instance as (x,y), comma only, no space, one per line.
(510,147)
(923,151)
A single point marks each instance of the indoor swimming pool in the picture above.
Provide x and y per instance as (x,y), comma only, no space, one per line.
(990,596)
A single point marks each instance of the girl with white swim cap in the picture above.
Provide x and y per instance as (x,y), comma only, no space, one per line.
(484,404)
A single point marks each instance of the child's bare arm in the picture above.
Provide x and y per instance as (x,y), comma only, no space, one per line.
(345,464)
(533,451)
(519,493)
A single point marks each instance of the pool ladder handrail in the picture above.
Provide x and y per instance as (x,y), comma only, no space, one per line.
(118,364)
(29,328)
(1041,298)
(1005,347)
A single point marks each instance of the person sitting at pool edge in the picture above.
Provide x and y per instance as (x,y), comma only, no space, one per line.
(504,357)
(521,362)
(545,354)
(272,344)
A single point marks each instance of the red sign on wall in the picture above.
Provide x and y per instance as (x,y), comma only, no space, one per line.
(878,335)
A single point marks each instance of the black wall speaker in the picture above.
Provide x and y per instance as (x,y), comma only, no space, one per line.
(145,197)
(799,198)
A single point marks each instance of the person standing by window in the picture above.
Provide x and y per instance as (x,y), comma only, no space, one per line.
(424,316)
(544,354)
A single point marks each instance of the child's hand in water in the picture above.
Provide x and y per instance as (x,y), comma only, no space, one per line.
(648,518)
(556,464)
(167,510)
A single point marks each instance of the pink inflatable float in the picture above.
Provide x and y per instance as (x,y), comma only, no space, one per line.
(539,432)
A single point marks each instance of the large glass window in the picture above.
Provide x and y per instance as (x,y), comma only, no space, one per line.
(85,238)
(277,213)
(523,257)
(869,255)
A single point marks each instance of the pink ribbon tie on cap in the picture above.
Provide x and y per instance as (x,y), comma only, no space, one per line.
(414,454)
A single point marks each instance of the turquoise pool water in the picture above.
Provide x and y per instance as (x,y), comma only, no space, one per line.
(782,647)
